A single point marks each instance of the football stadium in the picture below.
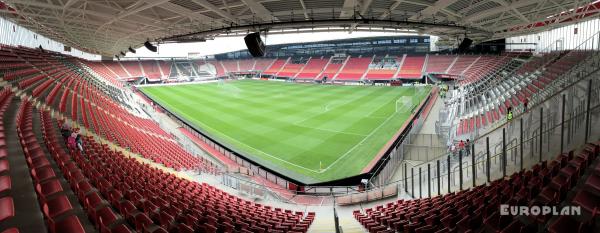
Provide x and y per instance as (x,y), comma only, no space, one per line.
(223,116)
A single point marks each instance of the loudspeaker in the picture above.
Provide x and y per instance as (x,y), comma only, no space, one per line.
(465,44)
(255,45)
(151,47)
(131,50)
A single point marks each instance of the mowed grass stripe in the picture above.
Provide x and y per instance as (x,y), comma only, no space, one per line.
(300,124)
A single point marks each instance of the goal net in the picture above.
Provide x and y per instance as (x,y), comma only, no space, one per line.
(404,104)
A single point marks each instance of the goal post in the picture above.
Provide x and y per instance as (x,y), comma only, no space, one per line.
(404,104)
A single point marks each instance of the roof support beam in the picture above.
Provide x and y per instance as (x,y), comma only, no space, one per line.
(70,3)
(260,10)
(497,10)
(432,10)
(348,9)
(364,7)
(215,9)
(304,9)
(133,11)
(392,8)
(513,9)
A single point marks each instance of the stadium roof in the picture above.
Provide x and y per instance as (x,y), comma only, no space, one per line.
(109,26)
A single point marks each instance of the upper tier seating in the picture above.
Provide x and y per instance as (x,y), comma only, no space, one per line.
(354,69)
(313,68)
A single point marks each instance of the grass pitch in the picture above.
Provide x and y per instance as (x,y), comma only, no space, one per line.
(313,133)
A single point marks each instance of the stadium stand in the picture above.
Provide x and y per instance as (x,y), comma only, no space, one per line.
(354,69)
(547,183)
(275,67)
(246,65)
(412,67)
(220,70)
(462,63)
(117,69)
(383,69)
(405,67)
(313,68)
(118,193)
(263,64)
(151,70)
(220,141)
(165,68)
(230,65)
(439,63)
(290,69)
(330,71)
(103,71)
(514,90)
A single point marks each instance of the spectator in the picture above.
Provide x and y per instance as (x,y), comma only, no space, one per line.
(65,130)
(79,141)
(468,149)
(461,145)
(525,103)
(509,115)
(72,141)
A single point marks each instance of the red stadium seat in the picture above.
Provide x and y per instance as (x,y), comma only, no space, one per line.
(11,230)
(5,183)
(57,206)
(48,188)
(121,228)
(42,174)
(568,224)
(7,208)
(69,224)
(4,167)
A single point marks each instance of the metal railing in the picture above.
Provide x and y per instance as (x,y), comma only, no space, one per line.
(532,137)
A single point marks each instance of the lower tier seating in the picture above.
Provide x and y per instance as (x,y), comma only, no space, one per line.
(478,209)
(120,194)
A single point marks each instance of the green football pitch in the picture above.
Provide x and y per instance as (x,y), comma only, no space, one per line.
(312,133)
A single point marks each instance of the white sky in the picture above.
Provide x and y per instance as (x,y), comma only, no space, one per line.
(228,44)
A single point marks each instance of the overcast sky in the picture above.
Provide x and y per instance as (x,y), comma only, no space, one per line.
(228,44)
